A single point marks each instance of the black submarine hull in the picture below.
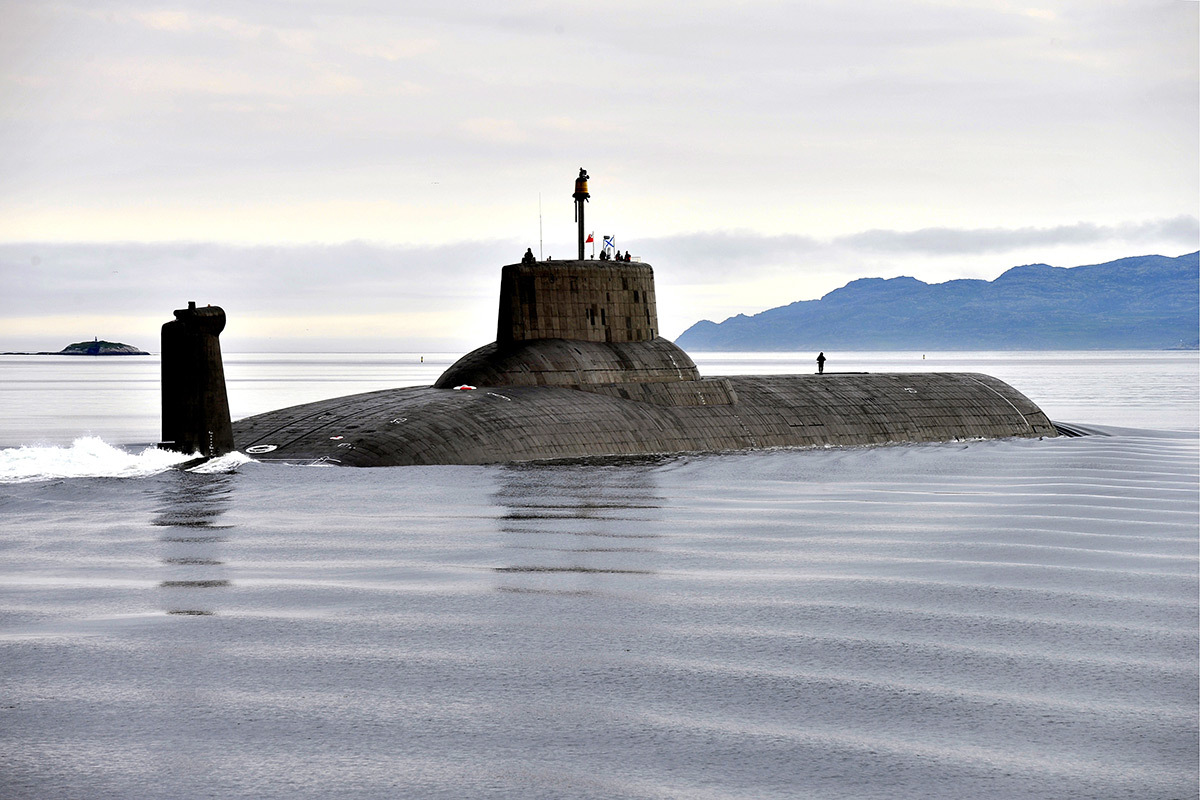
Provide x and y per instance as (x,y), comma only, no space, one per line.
(579,370)
(512,423)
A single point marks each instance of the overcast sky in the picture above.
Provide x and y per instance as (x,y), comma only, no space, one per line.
(352,174)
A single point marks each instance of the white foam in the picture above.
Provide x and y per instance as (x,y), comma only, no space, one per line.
(87,457)
(226,463)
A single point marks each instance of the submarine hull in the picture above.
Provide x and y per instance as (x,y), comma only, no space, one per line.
(510,423)
(578,371)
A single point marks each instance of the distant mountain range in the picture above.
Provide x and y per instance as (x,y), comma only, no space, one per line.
(1145,302)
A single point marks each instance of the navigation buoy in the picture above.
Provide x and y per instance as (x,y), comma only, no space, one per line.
(462,387)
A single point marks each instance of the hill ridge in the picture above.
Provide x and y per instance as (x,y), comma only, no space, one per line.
(1137,302)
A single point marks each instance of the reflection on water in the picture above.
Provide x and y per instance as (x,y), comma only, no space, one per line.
(192,539)
(193,500)
(559,525)
(187,502)
(589,570)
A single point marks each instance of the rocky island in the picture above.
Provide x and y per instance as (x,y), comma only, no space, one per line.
(96,347)
(99,348)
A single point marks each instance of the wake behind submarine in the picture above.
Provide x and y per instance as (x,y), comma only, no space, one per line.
(579,370)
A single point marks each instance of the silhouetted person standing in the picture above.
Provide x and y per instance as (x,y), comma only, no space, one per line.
(528,257)
(820,363)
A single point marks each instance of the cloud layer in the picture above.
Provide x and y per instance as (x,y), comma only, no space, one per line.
(413,296)
(943,241)
(434,122)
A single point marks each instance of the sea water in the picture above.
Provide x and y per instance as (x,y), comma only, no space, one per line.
(990,619)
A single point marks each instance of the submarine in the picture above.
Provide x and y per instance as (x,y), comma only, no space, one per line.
(579,369)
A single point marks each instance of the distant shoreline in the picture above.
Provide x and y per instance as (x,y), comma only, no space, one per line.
(60,353)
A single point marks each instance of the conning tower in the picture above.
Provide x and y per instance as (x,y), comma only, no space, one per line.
(581,323)
(590,301)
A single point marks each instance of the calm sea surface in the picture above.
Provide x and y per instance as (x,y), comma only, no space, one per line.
(1008,619)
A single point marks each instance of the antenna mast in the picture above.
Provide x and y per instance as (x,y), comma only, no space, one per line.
(581,196)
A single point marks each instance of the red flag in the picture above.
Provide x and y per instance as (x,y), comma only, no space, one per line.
(589,239)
